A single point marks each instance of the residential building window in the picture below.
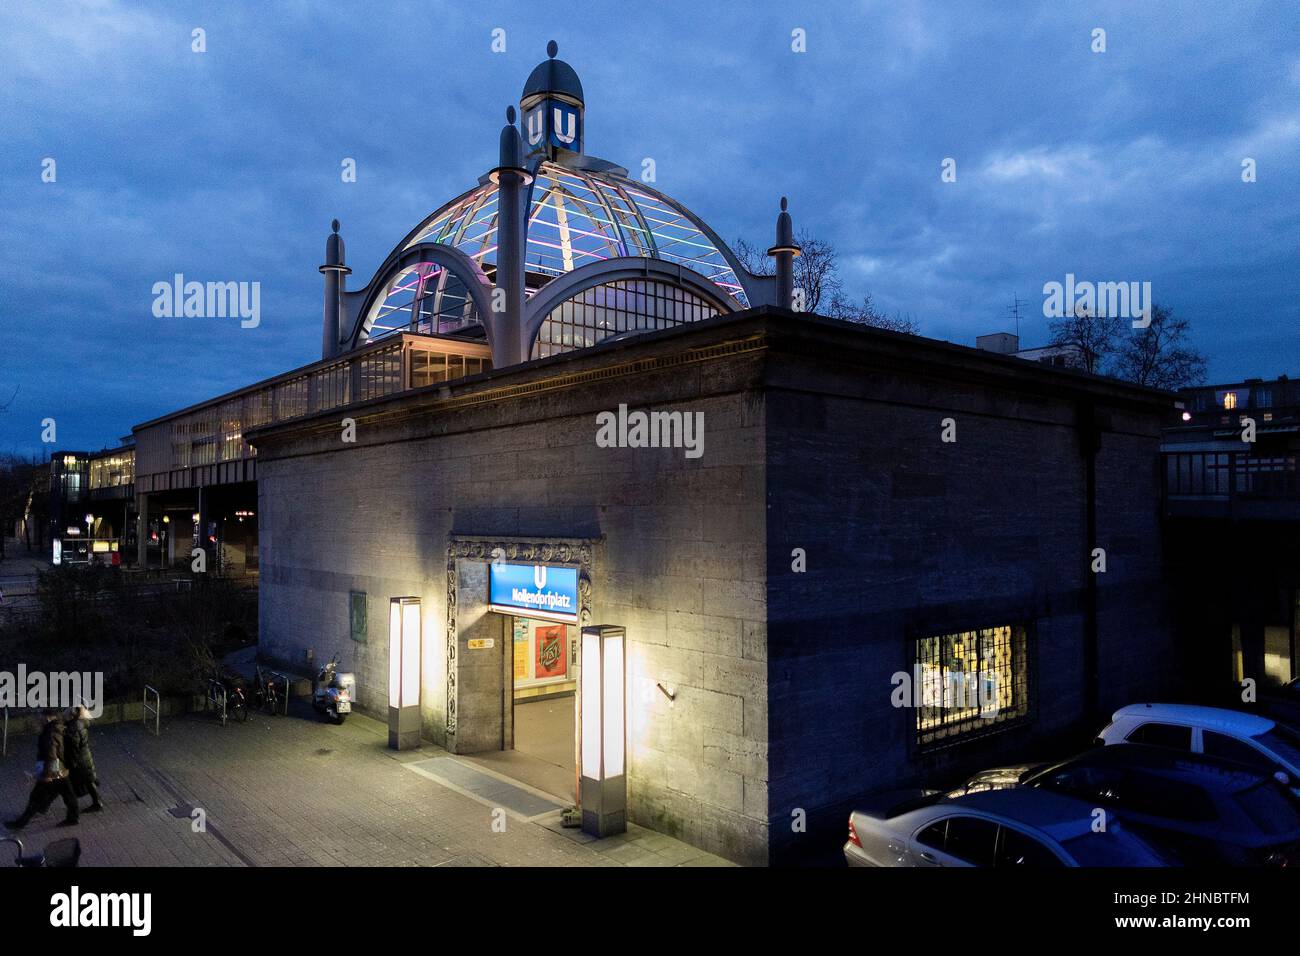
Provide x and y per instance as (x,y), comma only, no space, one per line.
(1229,399)
(969,683)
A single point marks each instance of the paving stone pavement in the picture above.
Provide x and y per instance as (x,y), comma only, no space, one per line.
(297,791)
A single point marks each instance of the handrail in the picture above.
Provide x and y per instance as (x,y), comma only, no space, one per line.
(284,690)
(217,697)
(156,710)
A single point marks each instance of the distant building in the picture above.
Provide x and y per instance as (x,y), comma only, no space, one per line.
(1008,343)
(1232,505)
(92,515)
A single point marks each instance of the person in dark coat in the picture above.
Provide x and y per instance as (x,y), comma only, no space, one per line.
(51,776)
(79,760)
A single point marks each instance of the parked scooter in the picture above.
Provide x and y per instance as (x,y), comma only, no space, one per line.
(331,691)
(60,853)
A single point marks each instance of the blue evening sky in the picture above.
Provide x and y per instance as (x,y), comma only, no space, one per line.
(225,165)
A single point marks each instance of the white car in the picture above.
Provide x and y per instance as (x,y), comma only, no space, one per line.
(1246,738)
(1024,828)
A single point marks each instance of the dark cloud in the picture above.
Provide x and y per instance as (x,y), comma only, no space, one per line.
(225,165)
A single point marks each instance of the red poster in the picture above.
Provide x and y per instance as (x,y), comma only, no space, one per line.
(551,658)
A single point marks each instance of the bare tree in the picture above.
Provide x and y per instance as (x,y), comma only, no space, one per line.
(1160,356)
(1092,336)
(868,314)
(816,272)
(815,269)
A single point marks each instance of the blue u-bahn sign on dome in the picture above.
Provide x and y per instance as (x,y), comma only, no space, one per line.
(556,123)
(534,590)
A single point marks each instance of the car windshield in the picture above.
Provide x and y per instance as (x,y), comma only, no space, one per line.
(1284,742)
(1270,807)
(1113,846)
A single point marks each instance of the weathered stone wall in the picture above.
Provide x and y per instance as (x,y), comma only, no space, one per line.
(678,560)
(815,437)
(907,535)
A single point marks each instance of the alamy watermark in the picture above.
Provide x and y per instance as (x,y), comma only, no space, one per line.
(208,300)
(944,689)
(38,690)
(624,429)
(1116,300)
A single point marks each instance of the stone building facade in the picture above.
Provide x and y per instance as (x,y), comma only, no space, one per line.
(860,495)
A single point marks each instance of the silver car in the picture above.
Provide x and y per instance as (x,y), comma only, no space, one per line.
(1027,828)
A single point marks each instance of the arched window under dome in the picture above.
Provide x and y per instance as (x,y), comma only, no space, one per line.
(426,297)
(614,308)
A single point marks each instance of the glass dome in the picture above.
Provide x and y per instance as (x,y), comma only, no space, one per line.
(575,217)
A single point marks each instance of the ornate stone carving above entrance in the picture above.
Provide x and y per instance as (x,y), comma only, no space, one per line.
(565,552)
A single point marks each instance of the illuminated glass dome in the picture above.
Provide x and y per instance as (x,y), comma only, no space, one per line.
(575,217)
(581,211)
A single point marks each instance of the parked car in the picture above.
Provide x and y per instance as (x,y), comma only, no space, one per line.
(1282,703)
(1256,741)
(1202,810)
(1021,827)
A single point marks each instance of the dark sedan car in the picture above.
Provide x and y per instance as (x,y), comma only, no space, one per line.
(1202,809)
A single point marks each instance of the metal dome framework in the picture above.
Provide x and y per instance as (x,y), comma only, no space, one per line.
(576,218)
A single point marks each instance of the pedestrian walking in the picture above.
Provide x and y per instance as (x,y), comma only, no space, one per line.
(51,776)
(79,760)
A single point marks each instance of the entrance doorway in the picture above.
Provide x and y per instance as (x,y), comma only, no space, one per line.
(543,690)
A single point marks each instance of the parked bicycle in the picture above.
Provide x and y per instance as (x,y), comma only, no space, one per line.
(226,697)
(268,691)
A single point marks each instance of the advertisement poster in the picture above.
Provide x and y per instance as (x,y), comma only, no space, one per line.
(551,657)
(521,652)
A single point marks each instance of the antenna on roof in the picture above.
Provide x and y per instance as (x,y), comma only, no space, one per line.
(1014,309)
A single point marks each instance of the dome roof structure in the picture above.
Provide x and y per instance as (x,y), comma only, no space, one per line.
(588,235)
(575,217)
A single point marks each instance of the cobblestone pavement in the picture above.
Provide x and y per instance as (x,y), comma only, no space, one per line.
(297,791)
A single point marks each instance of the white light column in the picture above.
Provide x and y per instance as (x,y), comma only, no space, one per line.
(603,712)
(404,673)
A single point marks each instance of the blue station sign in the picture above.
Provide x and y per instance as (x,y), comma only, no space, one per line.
(534,590)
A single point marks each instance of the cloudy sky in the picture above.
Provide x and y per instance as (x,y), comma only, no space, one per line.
(225,165)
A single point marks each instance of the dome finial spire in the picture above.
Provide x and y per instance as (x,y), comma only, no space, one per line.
(784,252)
(552,49)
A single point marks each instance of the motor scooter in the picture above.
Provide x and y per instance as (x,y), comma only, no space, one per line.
(331,692)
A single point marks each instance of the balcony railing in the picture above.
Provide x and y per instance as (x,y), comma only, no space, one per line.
(1230,478)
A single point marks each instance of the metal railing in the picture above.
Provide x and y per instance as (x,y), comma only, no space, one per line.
(283,683)
(156,710)
(216,696)
(1227,475)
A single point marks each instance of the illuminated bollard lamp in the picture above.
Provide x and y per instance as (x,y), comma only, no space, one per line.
(404,673)
(602,706)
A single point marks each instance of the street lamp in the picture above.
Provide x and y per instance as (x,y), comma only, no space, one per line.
(404,673)
(602,708)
